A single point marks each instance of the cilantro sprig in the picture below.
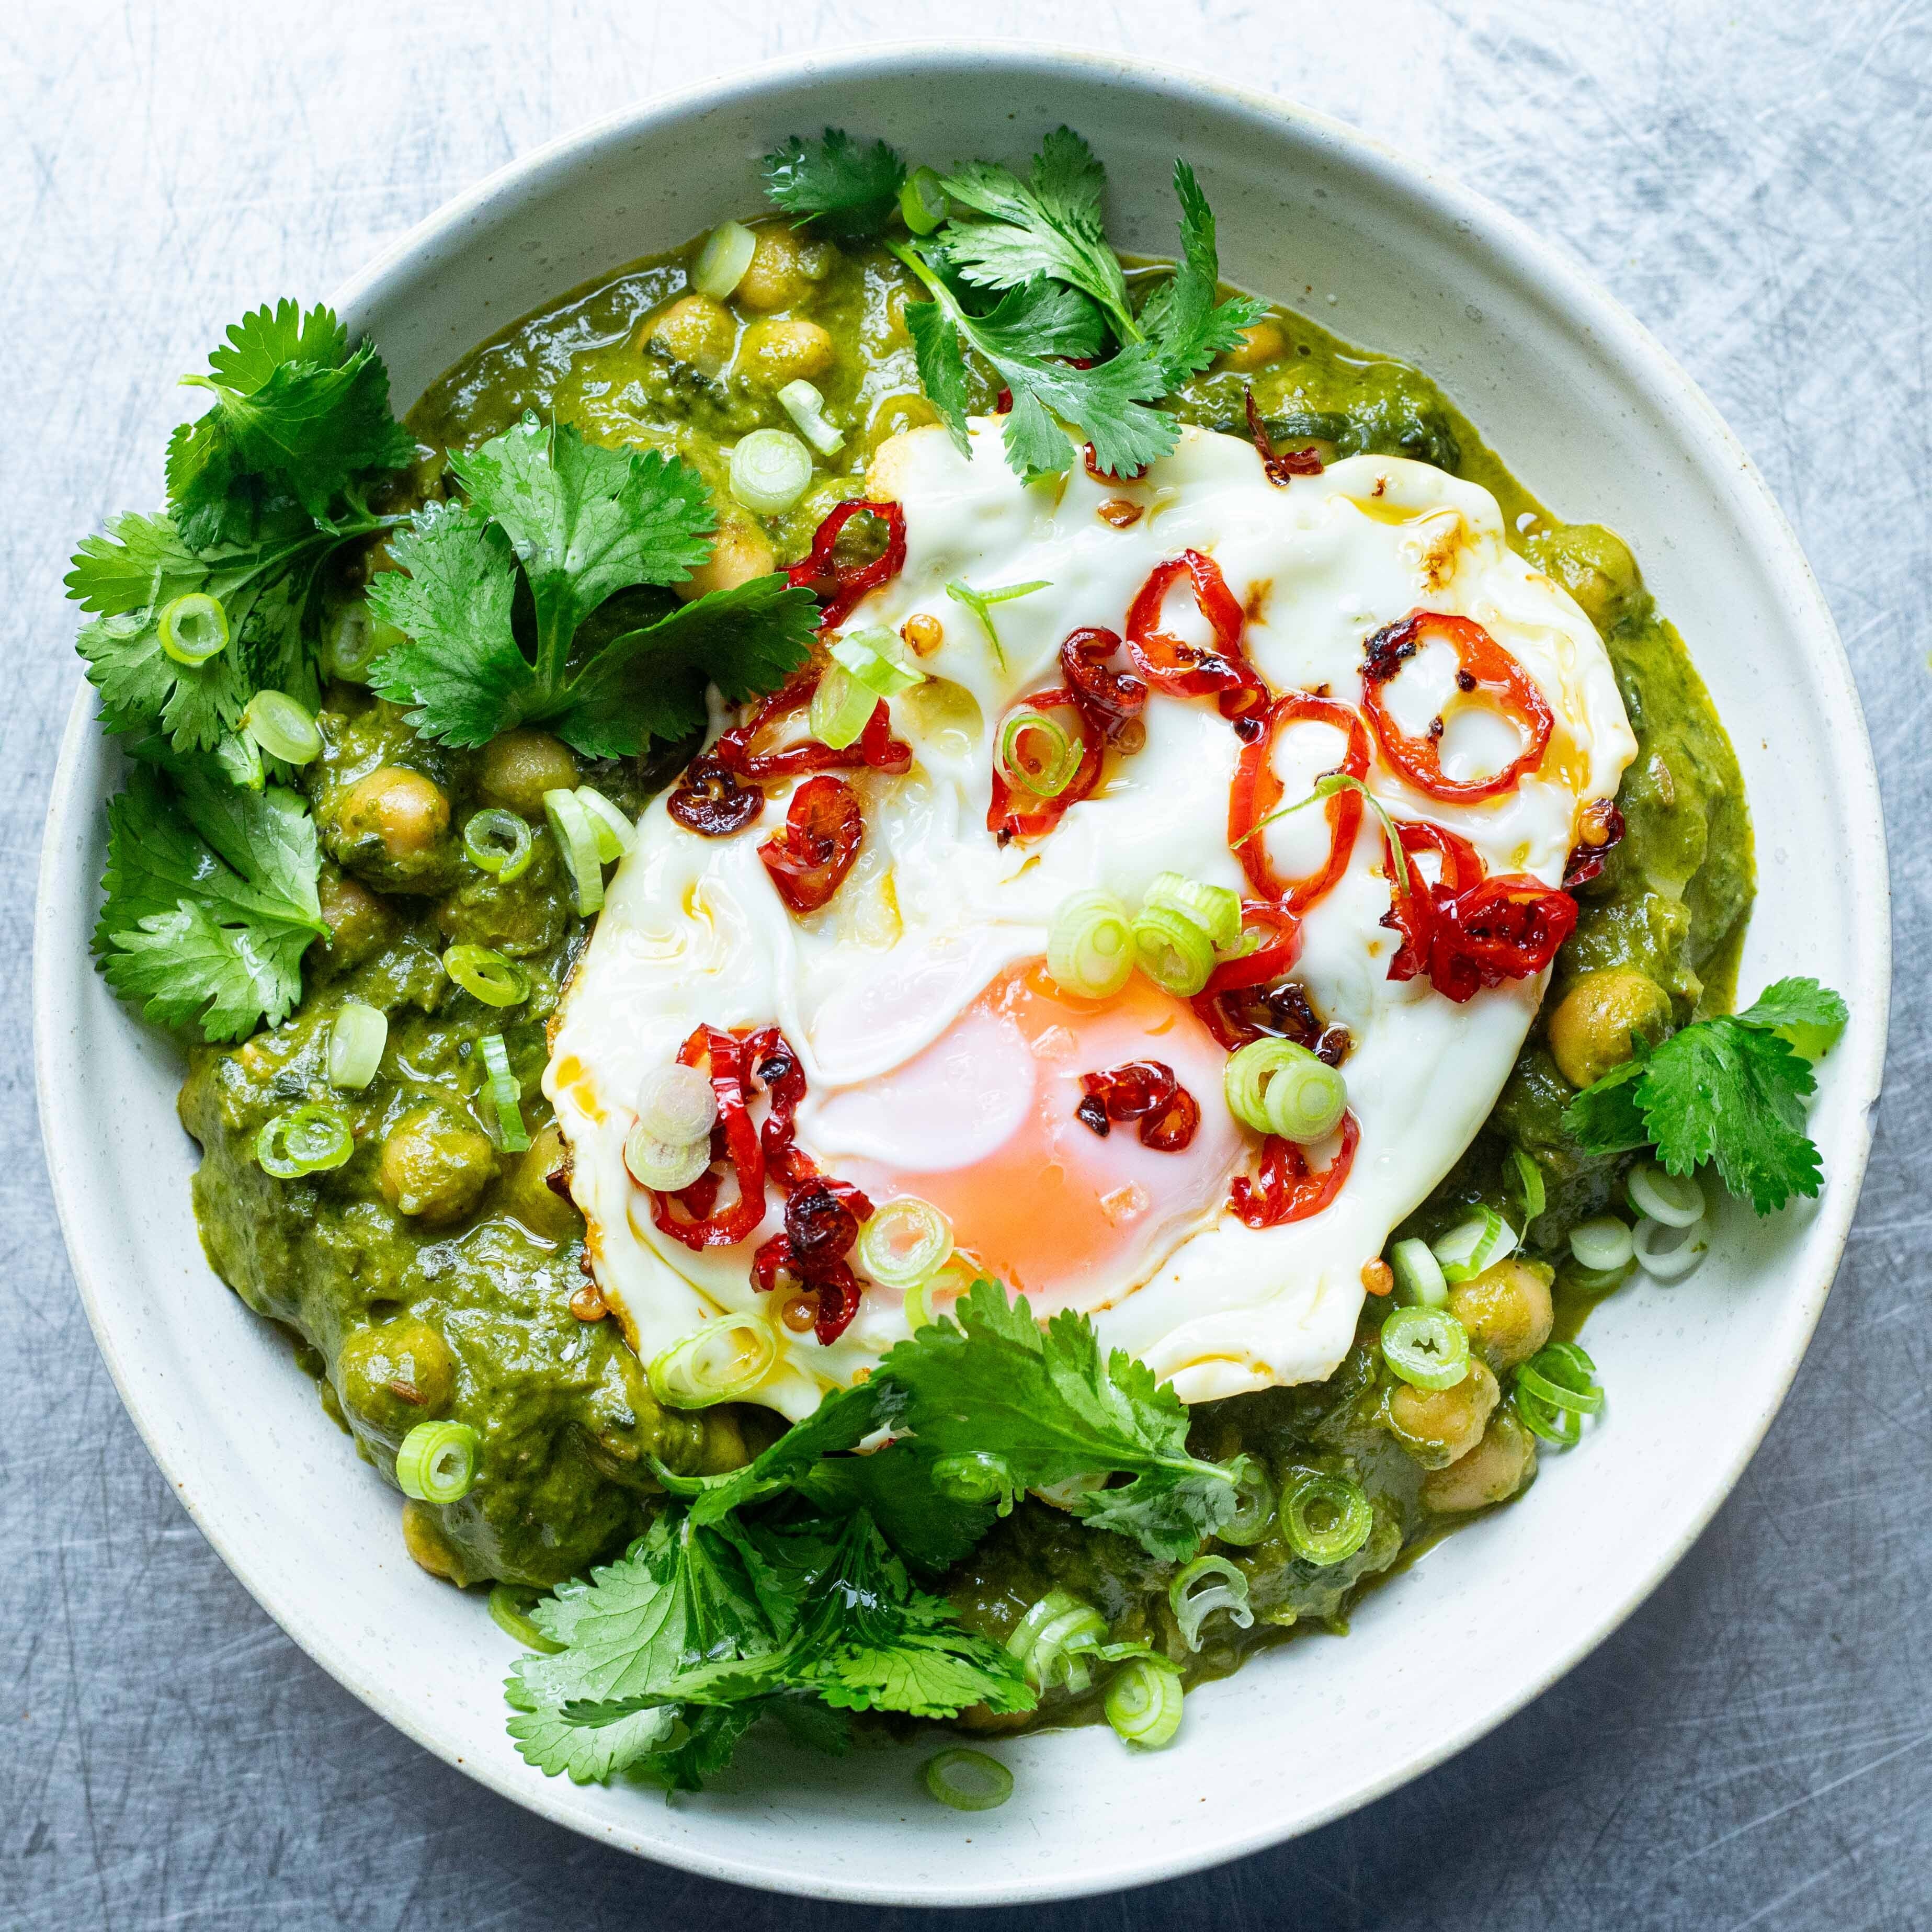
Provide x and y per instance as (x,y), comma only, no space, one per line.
(1730,1091)
(576,524)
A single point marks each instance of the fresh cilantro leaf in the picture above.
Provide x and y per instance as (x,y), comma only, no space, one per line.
(297,411)
(1187,324)
(580,522)
(816,1726)
(1811,1017)
(711,1736)
(211,901)
(894,1485)
(941,357)
(585,1753)
(1607,1118)
(849,190)
(1049,1405)
(1050,225)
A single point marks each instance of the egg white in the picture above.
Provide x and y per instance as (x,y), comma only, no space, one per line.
(935,910)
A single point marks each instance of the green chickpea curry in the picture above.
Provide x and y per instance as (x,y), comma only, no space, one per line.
(381,1175)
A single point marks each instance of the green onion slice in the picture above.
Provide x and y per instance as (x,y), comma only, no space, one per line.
(1090,946)
(1227,1589)
(1474,1245)
(193,627)
(357,1036)
(1676,1200)
(806,407)
(1419,1280)
(506,1095)
(872,656)
(771,469)
(614,833)
(1143,1702)
(487,976)
(1529,1178)
(968,1781)
(977,1476)
(498,842)
(1214,909)
(981,603)
(1037,753)
(307,1140)
(1603,1244)
(1554,1390)
(1277,1087)
(922,203)
(1254,1507)
(1428,1348)
(282,727)
(676,1103)
(570,825)
(662,1165)
(1326,1518)
(722,261)
(1051,1640)
(905,1243)
(723,1360)
(437,1462)
(510,1606)
(842,708)
(1663,1259)
(1172,951)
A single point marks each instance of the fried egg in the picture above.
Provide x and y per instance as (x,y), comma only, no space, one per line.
(941,1061)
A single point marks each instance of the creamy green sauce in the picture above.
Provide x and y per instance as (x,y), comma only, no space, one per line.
(475,1309)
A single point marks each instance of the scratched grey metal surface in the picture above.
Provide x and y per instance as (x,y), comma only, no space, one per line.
(1751,1750)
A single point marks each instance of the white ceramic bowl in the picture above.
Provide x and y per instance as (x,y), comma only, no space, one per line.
(1594,417)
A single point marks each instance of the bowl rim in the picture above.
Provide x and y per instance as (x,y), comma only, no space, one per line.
(1546,274)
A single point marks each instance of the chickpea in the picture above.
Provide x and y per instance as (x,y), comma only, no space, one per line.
(434,1165)
(742,552)
(1492,1472)
(1594,565)
(396,1375)
(1507,1310)
(405,812)
(359,925)
(423,1537)
(1438,1425)
(550,1216)
(1261,342)
(777,277)
(775,353)
(1590,1030)
(695,330)
(518,768)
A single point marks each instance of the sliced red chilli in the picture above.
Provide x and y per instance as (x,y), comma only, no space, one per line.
(709,800)
(875,748)
(1113,699)
(1285,1189)
(809,857)
(1241,1014)
(1017,812)
(1600,832)
(1283,467)
(1483,665)
(1256,791)
(1193,670)
(839,587)
(698,1224)
(1144,1091)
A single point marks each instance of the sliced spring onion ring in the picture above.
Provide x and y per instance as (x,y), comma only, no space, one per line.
(1254,1507)
(907,1241)
(873,657)
(1226,1589)
(353,638)
(1664,1259)
(922,203)
(1676,1200)
(1090,946)
(662,1165)
(1326,1518)
(1276,1086)
(193,627)
(506,1095)
(1143,1702)
(1554,1390)
(498,842)
(1528,1178)
(676,1103)
(282,727)
(1036,753)
(1050,1642)
(977,1476)
(306,1140)
(357,1036)
(1214,909)
(720,1362)
(1603,1245)
(722,261)
(968,1781)
(487,976)
(981,603)
(1473,1245)
(1428,1348)
(771,469)
(841,708)
(510,1606)
(1172,951)
(806,407)
(437,1462)
(1419,1280)
(570,826)
(614,833)
(954,1279)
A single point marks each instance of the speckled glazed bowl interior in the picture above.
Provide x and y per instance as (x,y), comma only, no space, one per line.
(1595,418)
